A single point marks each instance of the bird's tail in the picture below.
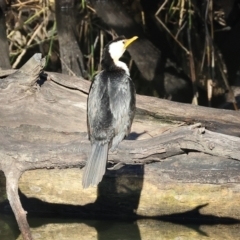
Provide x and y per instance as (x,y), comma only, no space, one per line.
(96,165)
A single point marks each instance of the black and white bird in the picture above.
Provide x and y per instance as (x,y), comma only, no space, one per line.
(110,109)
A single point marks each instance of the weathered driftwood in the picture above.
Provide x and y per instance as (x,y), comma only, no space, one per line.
(43,125)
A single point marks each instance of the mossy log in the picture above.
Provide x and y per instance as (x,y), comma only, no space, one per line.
(180,161)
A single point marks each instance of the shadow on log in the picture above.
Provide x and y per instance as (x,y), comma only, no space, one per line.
(43,126)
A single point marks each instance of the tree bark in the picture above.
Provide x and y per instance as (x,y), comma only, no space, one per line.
(71,55)
(4,52)
(43,126)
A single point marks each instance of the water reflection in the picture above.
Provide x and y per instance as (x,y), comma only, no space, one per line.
(118,196)
(144,229)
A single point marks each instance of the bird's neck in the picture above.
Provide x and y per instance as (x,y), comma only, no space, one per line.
(122,65)
(109,64)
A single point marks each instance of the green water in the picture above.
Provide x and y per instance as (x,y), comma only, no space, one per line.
(76,229)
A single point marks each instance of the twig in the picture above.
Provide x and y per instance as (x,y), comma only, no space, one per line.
(28,43)
(165,27)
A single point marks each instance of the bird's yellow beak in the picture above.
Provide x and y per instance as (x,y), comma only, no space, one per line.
(129,41)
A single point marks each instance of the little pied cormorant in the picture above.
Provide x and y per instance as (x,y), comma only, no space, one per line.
(110,109)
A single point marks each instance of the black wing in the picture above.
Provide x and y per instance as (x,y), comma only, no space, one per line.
(111,107)
(99,113)
(122,105)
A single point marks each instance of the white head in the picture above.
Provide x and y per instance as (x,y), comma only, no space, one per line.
(116,50)
(113,51)
(118,47)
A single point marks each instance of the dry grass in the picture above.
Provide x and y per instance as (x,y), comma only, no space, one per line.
(191,31)
(27,26)
(31,27)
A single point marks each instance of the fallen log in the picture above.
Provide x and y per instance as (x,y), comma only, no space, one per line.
(166,167)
